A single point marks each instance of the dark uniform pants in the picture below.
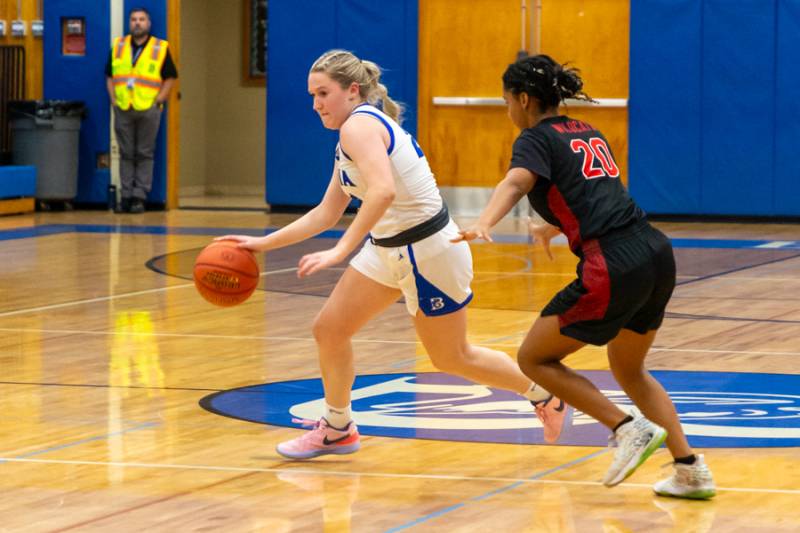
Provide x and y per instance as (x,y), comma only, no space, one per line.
(136,136)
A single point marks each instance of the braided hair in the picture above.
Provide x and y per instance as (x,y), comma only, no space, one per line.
(546,80)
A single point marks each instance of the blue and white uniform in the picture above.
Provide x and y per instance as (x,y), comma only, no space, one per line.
(434,274)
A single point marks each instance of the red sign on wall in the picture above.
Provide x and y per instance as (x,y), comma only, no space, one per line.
(73,36)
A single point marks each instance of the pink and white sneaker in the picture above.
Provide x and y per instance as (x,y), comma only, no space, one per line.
(553,413)
(322,439)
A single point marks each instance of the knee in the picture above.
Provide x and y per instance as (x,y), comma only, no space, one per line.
(528,362)
(451,362)
(327,331)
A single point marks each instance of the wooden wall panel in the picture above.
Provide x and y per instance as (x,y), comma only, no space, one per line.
(34,55)
(466,46)
(593,36)
(470,44)
(469,147)
(464,49)
(173,107)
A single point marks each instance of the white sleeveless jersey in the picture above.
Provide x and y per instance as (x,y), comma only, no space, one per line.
(417,197)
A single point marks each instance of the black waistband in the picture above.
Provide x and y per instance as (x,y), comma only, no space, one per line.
(616,235)
(434,224)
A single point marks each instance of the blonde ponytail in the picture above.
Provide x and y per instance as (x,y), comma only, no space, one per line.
(345,68)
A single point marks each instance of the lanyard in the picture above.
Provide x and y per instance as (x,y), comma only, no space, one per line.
(138,53)
(135,59)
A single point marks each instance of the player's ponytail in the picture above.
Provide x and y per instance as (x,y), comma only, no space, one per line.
(377,94)
(345,68)
(542,78)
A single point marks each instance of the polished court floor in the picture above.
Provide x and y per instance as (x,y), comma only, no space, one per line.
(107,352)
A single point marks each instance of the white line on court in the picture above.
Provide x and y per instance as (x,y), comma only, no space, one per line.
(725,278)
(550,274)
(118,296)
(739,352)
(777,244)
(93,300)
(363,474)
(526,273)
(679,276)
(356,340)
(192,335)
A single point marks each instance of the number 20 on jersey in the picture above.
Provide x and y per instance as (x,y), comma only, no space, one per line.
(595,149)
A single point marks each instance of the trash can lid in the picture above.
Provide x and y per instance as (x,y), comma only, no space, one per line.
(47,108)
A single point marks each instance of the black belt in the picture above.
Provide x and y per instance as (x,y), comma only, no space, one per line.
(433,225)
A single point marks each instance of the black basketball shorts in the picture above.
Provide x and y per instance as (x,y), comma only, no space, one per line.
(625,280)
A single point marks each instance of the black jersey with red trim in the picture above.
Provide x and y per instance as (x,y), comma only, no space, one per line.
(578,187)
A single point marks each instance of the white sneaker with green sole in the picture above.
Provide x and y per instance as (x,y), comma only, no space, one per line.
(689,481)
(636,441)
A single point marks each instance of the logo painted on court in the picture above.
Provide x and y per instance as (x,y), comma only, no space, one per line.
(717,409)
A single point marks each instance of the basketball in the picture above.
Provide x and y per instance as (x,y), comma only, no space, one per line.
(224,274)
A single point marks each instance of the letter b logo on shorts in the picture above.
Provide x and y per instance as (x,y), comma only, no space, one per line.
(437,303)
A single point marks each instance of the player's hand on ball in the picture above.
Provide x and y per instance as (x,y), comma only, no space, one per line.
(245,241)
(473,232)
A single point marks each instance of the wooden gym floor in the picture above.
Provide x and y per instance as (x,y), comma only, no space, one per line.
(104,361)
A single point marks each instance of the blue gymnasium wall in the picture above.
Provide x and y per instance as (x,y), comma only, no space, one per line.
(299,149)
(83,78)
(713,109)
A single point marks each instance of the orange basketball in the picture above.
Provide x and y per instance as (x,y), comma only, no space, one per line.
(224,274)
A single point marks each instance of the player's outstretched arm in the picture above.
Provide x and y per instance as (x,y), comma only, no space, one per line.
(322,217)
(515,185)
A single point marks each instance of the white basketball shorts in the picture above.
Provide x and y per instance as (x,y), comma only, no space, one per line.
(434,274)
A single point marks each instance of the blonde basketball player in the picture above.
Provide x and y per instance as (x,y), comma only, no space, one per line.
(408,253)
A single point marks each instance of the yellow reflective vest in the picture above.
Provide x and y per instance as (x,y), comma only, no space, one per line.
(137,85)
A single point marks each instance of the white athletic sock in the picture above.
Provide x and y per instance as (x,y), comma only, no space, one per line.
(537,394)
(338,417)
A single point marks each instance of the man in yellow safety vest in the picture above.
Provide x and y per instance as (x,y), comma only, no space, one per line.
(139,76)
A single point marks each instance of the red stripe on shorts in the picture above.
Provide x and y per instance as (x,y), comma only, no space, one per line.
(595,278)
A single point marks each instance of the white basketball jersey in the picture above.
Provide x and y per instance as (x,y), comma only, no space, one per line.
(417,197)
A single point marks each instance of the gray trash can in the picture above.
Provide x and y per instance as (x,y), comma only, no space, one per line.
(46,134)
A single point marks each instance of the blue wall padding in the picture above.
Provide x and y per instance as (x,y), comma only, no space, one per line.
(787,116)
(737,173)
(16,181)
(664,105)
(81,78)
(299,149)
(713,107)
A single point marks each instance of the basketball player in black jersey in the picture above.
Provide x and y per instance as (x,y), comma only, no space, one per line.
(626,272)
